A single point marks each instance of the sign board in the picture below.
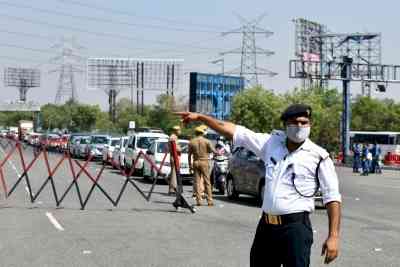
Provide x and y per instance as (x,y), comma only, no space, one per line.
(20,106)
(132,125)
(124,73)
(212,94)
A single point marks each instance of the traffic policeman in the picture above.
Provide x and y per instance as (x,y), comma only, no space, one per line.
(296,168)
(199,150)
(172,182)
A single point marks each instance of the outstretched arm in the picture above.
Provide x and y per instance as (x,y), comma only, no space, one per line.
(224,128)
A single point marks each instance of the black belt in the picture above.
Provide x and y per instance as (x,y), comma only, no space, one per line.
(286,218)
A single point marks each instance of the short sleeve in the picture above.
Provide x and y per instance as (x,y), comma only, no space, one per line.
(329,182)
(210,148)
(255,142)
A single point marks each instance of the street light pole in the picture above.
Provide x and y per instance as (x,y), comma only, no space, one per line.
(222,61)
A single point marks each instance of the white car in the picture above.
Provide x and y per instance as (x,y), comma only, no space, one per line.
(109,149)
(156,153)
(96,146)
(139,142)
(79,146)
(119,151)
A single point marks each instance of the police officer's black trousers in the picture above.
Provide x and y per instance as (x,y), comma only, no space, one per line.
(288,245)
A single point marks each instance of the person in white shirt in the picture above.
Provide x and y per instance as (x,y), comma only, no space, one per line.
(296,169)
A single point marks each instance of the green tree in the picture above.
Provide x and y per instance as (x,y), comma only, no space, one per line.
(161,114)
(257,109)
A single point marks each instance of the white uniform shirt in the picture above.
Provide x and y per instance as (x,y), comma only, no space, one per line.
(280,197)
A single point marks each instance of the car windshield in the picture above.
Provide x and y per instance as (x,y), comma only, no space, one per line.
(99,140)
(184,147)
(162,147)
(84,141)
(114,142)
(145,142)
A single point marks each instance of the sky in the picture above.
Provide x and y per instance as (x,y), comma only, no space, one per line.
(188,30)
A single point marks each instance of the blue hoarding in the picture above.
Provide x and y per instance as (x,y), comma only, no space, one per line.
(212,94)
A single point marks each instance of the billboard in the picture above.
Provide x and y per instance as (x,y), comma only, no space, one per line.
(307,41)
(22,77)
(124,73)
(212,94)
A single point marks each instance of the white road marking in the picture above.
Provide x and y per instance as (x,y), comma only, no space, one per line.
(87,252)
(11,163)
(54,221)
(15,169)
(377,249)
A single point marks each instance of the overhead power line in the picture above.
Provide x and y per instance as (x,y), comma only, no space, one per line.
(112,35)
(156,51)
(103,20)
(127,13)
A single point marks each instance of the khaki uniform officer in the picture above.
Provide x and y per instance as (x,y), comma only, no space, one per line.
(176,131)
(199,149)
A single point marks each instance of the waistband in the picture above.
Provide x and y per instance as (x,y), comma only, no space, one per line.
(286,218)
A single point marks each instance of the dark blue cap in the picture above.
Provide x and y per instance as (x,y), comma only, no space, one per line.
(296,110)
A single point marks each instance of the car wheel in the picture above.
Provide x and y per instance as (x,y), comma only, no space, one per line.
(261,189)
(139,172)
(126,167)
(230,189)
(153,175)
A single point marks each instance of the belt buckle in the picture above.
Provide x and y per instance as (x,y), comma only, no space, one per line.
(273,219)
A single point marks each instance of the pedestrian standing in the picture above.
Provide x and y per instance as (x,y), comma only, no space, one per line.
(295,167)
(356,157)
(199,150)
(365,160)
(176,131)
(376,155)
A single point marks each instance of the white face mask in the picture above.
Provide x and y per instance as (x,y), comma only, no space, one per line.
(297,134)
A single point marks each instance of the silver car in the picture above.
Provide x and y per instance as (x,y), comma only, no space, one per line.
(245,174)
(96,146)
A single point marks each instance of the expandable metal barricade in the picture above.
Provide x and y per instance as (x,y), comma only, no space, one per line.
(18,147)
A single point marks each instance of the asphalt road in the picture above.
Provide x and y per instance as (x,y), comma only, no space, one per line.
(142,233)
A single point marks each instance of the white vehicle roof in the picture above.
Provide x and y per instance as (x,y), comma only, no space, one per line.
(146,134)
(115,138)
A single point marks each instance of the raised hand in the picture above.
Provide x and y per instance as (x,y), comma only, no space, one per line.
(188,117)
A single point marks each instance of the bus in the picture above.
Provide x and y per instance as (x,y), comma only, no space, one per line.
(388,141)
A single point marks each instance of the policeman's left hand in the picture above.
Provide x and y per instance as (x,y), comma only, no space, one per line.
(331,249)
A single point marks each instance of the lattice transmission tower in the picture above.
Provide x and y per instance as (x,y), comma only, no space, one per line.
(249,51)
(69,60)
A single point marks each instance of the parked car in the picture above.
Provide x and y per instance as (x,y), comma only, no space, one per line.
(72,138)
(119,152)
(137,143)
(109,148)
(79,147)
(246,174)
(96,146)
(156,153)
